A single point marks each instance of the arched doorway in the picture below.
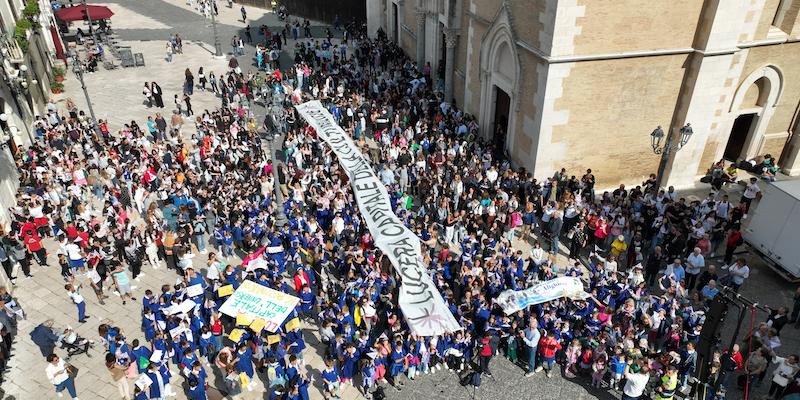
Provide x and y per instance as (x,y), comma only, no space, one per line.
(502,106)
(742,127)
(753,105)
(500,69)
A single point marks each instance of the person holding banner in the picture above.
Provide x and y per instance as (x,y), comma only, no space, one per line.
(530,336)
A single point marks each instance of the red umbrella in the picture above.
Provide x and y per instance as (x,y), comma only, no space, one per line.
(78,13)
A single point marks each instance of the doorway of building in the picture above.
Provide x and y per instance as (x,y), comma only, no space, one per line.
(502,104)
(741,128)
(394,22)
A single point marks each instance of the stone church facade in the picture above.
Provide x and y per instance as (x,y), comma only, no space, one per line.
(581,83)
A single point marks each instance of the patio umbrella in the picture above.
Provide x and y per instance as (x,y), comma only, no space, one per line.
(78,13)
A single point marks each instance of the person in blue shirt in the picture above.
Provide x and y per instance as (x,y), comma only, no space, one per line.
(198,373)
(709,291)
(275,373)
(149,324)
(139,394)
(244,361)
(617,368)
(158,387)
(197,391)
(227,245)
(297,343)
(330,379)
(397,360)
(292,369)
(140,353)
(278,393)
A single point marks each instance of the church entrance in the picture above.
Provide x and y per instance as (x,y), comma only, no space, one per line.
(502,105)
(741,128)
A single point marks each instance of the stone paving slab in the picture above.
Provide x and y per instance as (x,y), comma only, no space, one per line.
(146,25)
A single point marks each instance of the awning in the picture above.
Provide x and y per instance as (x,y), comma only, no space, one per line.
(78,13)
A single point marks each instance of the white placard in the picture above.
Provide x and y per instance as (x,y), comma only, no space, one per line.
(194,290)
(144,381)
(184,307)
(261,302)
(156,356)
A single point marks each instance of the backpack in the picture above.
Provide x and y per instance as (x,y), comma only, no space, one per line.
(739,241)
(272,375)
(379,394)
(472,378)
(211,348)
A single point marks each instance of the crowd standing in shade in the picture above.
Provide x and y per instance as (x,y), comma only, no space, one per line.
(157,195)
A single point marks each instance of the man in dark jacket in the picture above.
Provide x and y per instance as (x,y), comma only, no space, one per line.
(653,266)
(554,230)
(44,337)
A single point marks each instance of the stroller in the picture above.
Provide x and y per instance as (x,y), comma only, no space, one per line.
(75,344)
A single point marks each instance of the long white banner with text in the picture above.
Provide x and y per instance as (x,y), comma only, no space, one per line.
(423,306)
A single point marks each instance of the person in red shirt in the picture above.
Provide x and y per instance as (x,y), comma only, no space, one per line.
(486,353)
(300,279)
(28,228)
(84,236)
(548,346)
(72,231)
(34,245)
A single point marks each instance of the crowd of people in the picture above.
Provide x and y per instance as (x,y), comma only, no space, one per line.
(161,195)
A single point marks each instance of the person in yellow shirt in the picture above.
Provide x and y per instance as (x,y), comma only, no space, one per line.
(730,174)
(669,382)
(618,246)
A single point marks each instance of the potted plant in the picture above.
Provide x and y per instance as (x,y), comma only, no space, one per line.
(56,86)
(58,73)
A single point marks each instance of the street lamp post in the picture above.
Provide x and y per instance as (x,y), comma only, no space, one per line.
(78,71)
(657,136)
(217,45)
(272,120)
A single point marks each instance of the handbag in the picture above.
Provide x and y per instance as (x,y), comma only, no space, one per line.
(72,371)
(726,280)
(132,370)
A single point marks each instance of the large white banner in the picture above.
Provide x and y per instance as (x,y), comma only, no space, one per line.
(260,302)
(423,306)
(512,301)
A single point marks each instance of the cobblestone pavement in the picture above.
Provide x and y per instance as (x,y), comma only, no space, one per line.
(145,25)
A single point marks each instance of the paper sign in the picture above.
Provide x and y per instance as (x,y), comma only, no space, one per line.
(143,382)
(258,263)
(225,291)
(156,356)
(273,339)
(235,335)
(184,307)
(260,302)
(244,319)
(258,325)
(294,323)
(274,249)
(176,331)
(194,290)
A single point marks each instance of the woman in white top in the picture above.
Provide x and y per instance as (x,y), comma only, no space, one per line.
(740,272)
(214,267)
(783,374)
(57,374)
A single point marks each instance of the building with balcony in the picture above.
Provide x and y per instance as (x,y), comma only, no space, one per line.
(581,83)
(27,56)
